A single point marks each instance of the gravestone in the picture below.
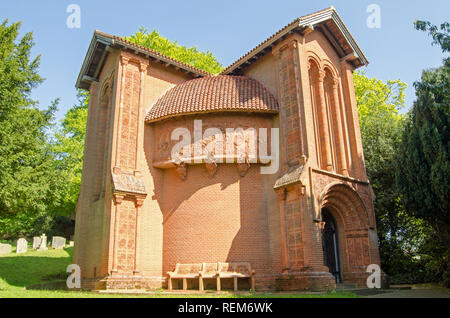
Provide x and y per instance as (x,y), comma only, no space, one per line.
(21,246)
(36,242)
(58,242)
(71,243)
(5,248)
(43,245)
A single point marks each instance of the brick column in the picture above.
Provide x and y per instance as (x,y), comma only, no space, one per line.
(323,118)
(282,195)
(123,63)
(340,147)
(351,110)
(142,69)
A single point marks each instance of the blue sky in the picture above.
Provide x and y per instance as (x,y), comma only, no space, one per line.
(227,28)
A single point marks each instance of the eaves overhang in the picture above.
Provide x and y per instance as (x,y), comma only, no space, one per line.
(102,43)
(326,21)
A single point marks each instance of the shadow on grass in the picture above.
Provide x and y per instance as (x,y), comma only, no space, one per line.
(34,267)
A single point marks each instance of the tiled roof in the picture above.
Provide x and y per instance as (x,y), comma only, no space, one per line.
(214,94)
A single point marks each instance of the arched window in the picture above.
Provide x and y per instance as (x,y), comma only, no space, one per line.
(328,126)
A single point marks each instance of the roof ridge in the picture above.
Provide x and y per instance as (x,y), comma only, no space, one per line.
(124,40)
(296,20)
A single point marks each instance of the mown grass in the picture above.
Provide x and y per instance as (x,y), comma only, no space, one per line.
(19,271)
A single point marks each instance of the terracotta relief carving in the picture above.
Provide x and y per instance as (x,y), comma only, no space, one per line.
(181,170)
(211,168)
(243,168)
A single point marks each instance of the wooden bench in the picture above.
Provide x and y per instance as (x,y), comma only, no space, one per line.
(212,270)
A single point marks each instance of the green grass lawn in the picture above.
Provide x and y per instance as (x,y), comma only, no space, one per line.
(18,271)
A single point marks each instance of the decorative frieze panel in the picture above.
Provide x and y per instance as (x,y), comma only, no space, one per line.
(295,244)
(212,140)
(358,247)
(129,117)
(125,248)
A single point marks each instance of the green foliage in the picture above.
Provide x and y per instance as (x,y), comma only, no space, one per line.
(380,121)
(424,165)
(69,146)
(423,162)
(189,55)
(401,236)
(439,38)
(30,182)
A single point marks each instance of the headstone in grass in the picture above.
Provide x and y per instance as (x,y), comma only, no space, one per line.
(43,245)
(5,248)
(71,243)
(21,246)
(36,242)
(58,242)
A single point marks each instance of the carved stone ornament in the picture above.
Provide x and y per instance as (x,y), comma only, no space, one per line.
(211,168)
(243,168)
(181,170)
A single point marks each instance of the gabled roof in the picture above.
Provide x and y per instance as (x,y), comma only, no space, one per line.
(98,49)
(326,21)
(222,93)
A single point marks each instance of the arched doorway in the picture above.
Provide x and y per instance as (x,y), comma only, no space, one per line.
(330,245)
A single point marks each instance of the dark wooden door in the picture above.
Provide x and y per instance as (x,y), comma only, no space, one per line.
(330,245)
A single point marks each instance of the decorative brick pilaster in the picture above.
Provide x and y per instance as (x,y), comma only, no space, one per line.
(340,145)
(293,147)
(292,226)
(128,186)
(323,119)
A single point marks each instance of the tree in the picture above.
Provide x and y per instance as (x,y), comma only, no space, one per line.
(440,38)
(423,163)
(29,178)
(400,235)
(190,55)
(69,146)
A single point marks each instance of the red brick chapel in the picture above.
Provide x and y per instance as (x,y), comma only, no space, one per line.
(307,226)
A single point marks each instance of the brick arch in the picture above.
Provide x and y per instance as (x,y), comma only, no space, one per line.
(322,63)
(347,203)
(352,219)
(327,65)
